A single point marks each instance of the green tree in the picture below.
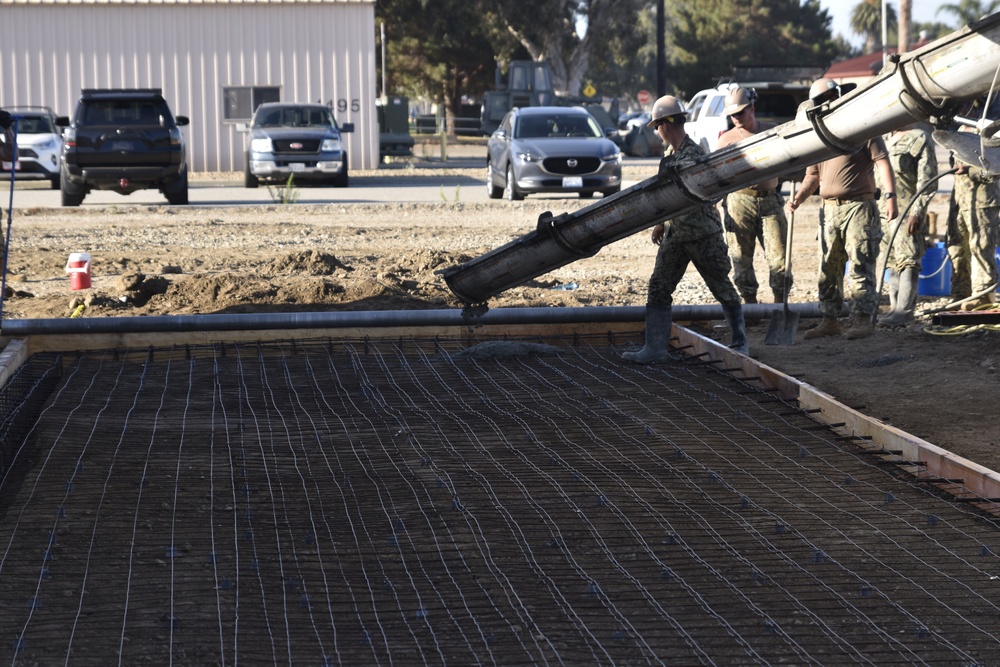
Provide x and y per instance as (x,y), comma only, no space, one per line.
(436,48)
(968,11)
(710,38)
(866,21)
(567,33)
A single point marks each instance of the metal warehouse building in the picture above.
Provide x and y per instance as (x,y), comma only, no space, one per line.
(215,60)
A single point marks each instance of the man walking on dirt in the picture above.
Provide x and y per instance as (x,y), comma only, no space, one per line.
(755,213)
(850,226)
(695,237)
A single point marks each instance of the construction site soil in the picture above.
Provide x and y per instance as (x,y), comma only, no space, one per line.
(159,260)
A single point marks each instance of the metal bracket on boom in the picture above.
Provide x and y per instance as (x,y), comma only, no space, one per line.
(548,225)
(670,171)
(828,138)
(938,112)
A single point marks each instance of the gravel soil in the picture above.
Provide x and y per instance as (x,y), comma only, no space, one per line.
(158,260)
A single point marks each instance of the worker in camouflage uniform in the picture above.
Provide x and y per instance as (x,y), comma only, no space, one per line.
(911,153)
(973,238)
(693,237)
(755,213)
(850,227)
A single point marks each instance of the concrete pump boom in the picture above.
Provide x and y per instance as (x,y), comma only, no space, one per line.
(930,83)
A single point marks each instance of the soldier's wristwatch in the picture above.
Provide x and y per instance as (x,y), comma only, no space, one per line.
(889,195)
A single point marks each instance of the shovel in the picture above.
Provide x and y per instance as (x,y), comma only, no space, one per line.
(784,324)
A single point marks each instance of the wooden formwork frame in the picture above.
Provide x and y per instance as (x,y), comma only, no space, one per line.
(965,479)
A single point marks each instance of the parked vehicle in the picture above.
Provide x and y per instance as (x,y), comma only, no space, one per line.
(638,139)
(295,139)
(124,140)
(39,145)
(776,103)
(551,149)
(529,84)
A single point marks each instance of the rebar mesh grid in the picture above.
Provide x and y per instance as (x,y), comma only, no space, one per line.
(412,502)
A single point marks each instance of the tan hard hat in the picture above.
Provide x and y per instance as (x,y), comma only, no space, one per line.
(665,107)
(824,90)
(738,99)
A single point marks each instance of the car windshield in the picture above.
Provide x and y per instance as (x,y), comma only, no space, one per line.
(556,125)
(35,125)
(294,117)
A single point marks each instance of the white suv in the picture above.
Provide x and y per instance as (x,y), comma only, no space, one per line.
(776,103)
(39,145)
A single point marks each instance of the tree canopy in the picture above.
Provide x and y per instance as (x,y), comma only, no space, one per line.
(711,38)
(866,20)
(968,11)
(442,49)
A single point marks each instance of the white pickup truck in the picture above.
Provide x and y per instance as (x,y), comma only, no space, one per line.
(776,103)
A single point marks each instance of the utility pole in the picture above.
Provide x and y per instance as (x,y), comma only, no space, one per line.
(384,92)
(661,50)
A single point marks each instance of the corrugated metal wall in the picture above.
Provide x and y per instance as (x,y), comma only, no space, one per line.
(315,51)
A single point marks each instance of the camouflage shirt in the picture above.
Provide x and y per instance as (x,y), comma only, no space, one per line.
(914,164)
(703,220)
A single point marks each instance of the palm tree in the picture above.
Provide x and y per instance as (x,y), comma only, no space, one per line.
(967,11)
(866,20)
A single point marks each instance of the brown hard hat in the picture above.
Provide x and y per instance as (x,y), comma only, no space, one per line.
(739,99)
(667,106)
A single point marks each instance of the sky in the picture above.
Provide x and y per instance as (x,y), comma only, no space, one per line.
(924,11)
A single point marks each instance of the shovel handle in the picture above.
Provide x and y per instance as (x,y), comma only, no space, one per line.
(788,246)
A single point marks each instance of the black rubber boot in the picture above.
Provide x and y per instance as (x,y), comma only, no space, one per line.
(734,318)
(658,326)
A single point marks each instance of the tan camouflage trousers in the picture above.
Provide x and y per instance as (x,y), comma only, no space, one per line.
(907,250)
(973,236)
(750,220)
(708,254)
(849,231)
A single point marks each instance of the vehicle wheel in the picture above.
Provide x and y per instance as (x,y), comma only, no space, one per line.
(608,193)
(70,195)
(177,194)
(341,180)
(54,181)
(510,190)
(492,191)
(249,180)
(586,194)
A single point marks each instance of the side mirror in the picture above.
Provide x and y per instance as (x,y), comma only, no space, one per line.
(347,127)
(243,127)
(181,120)
(62,121)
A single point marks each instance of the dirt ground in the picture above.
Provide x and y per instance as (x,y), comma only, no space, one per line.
(158,260)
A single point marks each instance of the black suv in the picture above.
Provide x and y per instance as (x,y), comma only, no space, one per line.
(123,140)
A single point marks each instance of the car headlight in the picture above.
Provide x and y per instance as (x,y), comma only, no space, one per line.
(613,157)
(331,145)
(526,156)
(261,145)
(49,144)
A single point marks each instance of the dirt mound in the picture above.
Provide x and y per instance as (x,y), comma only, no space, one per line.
(307,262)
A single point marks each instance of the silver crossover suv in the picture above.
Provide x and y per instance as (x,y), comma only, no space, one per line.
(551,149)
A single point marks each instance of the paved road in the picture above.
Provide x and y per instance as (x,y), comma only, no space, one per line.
(422,184)
(425,183)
